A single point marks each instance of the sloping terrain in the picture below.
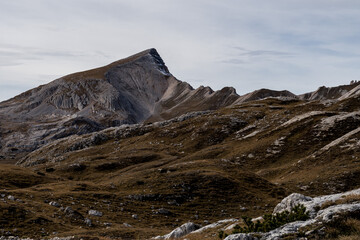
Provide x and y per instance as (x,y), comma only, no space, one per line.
(127,151)
(200,167)
(264,93)
(331,93)
(334,216)
(128,91)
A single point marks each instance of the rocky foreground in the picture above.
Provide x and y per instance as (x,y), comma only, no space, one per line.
(322,210)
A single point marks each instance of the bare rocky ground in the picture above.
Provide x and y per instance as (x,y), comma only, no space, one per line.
(323,211)
(198,156)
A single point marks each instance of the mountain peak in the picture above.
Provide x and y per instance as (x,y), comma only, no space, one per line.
(159,61)
(150,56)
(153,53)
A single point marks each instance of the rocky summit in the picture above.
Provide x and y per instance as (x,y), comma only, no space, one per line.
(127,151)
(128,91)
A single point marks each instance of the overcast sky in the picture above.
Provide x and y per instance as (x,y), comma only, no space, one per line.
(296,45)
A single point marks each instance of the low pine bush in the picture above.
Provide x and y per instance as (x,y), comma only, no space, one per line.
(222,234)
(298,213)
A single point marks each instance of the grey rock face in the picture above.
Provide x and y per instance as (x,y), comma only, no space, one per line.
(240,236)
(164,211)
(265,93)
(122,92)
(68,210)
(12,198)
(87,222)
(127,225)
(127,88)
(316,217)
(326,93)
(54,204)
(181,231)
(290,202)
(215,225)
(95,213)
(332,212)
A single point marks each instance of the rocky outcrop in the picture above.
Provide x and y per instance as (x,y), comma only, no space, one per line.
(215,225)
(125,91)
(311,204)
(317,217)
(181,231)
(331,93)
(241,236)
(95,213)
(290,202)
(181,97)
(265,93)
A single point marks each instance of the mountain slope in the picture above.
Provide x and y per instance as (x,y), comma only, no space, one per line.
(128,91)
(133,90)
(264,93)
(203,166)
(330,93)
(125,90)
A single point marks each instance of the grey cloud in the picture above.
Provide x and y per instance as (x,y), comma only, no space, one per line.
(8,63)
(50,53)
(11,55)
(246,52)
(334,53)
(266,53)
(234,61)
(244,56)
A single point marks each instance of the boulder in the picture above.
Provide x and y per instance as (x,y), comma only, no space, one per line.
(181,231)
(12,198)
(95,213)
(163,211)
(240,236)
(290,202)
(54,204)
(88,222)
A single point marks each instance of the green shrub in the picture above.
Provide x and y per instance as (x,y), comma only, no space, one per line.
(222,234)
(298,213)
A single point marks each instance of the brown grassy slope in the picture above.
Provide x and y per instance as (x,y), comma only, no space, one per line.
(99,73)
(238,160)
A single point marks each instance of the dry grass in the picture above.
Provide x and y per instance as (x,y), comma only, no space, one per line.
(99,73)
(347,227)
(351,237)
(197,169)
